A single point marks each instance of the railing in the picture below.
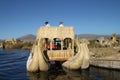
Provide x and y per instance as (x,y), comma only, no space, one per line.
(59,55)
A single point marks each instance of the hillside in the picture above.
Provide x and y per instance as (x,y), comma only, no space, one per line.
(31,37)
(1,40)
(93,36)
(28,37)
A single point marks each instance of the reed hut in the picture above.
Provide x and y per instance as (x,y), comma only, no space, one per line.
(58,40)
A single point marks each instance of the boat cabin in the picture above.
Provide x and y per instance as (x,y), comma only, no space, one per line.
(58,41)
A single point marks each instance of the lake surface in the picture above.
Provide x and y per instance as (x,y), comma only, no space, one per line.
(13,67)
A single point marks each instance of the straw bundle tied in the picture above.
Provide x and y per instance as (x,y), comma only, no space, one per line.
(81,59)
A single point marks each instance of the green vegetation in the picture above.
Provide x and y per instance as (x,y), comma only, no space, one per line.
(18,45)
(94,44)
(102,52)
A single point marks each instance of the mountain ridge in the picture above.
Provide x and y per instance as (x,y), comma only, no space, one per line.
(27,37)
(31,37)
(93,36)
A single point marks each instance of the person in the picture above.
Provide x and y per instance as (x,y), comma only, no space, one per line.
(61,24)
(47,24)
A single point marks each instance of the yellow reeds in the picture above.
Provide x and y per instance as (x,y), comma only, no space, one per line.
(36,60)
(81,59)
(32,63)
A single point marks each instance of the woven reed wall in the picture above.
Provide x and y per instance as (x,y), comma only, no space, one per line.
(60,55)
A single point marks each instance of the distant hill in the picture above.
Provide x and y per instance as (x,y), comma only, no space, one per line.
(31,37)
(93,36)
(28,37)
(1,40)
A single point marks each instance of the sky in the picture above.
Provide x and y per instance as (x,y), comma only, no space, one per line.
(21,17)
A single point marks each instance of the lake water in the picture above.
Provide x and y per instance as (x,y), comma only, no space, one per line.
(13,67)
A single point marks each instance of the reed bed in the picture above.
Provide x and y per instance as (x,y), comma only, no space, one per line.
(103,52)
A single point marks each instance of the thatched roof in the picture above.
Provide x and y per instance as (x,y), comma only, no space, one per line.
(55,32)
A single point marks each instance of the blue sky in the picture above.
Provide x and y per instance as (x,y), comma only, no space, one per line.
(20,17)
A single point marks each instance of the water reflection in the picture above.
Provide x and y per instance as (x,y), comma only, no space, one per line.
(61,74)
(65,74)
(104,74)
(38,76)
(50,75)
(73,74)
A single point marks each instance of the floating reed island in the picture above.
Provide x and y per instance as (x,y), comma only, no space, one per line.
(106,58)
(57,43)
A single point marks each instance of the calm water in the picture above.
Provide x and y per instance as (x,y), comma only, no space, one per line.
(13,67)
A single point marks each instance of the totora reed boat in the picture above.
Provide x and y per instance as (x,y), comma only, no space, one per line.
(57,43)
